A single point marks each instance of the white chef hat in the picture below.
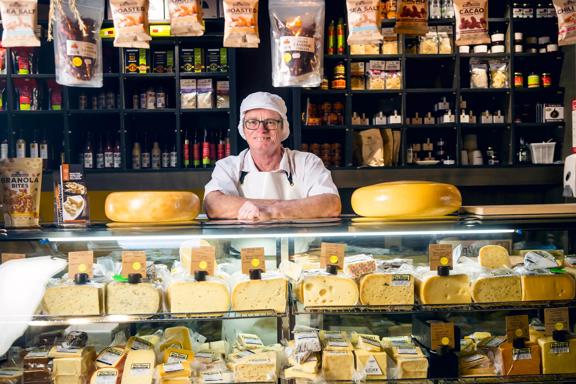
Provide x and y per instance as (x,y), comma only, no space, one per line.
(264,100)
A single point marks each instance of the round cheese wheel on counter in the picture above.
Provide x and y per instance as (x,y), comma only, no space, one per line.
(152,206)
(411,199)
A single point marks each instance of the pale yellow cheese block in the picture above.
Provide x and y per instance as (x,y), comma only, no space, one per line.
(337,365)
(370,343)
(265,294)
(139,367)
(497,289)
(494,256)
(176,337)
(452,289)
(411,199)
(374,364)
(548,287)
(75,366)
(132,299)
(335,341)
(73,300)
(172,355)
(327,291)
(198,297)
(105,375)
(554,362)
(69,379)
(309,366)
(185,251)
(111,357)
(260,367)
(295,373)
(386,289)
(151,206)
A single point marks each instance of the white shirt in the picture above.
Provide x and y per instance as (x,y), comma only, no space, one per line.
(308,173)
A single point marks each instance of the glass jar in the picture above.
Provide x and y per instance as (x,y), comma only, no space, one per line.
(533,80)
(518,79)
(546,80)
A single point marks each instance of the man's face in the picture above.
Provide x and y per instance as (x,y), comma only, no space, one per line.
(263,139)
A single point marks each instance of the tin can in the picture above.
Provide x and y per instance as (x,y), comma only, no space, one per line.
(533,80)
(518,79)
(546,80)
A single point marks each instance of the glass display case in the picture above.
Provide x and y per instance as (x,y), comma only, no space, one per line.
(396,255)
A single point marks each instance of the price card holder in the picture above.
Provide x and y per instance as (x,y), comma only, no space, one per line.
(252,258)
(556,319)
(12,256)
(134,262)
(332,254)
(517,326)
(440,255)
(80,262)
(203,259)
(442,335)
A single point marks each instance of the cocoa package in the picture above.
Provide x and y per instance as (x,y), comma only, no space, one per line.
(19,18)
(412,17)
(186,17)
(131,23)
(471,22)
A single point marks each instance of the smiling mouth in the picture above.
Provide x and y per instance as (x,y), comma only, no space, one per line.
(261,138)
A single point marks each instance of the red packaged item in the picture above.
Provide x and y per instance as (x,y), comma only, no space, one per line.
(55,91)
(471,22)
(412,17)
(27,94)
(2,59)
(23,60)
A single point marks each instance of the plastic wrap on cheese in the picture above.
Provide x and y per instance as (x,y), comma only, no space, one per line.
(132,299)
(197,297)
(268,293)
(65,298)
(152,206)
(359,265)
(320,289)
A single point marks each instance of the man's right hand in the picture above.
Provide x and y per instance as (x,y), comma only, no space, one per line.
(252,212)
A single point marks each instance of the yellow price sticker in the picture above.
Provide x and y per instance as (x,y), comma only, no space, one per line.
(136,266)
(334,259)
(82,268)
(445,341)
(255,263)
(519,332)
(559,326)
(203,265)
(77,62)
(444,261)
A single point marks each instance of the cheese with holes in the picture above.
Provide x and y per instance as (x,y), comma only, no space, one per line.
(105,376)
(151,206)
(132,299)
(73,300)
(176,337)
(337,365)
(547,287)
(139,367)
(173,355)
(260,367)
(494,256)
(111,357)
(198,297)
(497,289)
(328,291)
(374,364)
(264,294)
(452,289)
(175,369)
(558,357)
(387,289)
(406,199)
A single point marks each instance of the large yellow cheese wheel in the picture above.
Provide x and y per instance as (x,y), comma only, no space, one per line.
(152,206)
(406,199)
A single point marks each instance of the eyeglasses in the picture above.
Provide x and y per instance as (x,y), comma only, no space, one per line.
(270,124)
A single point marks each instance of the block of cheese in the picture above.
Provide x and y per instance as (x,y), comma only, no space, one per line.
(260,367)
(497,289)
(173,355)
(494,256)
(337,365)
(68,379)
(57,352)
(174,369)
(10,375)
(260,295)
(249,341)
(406,199)
(198,297)
(548,287)
(476,364)
(151,206)
(135,343)
(185,251)
(558,357)
(139,367)
(335,341)
(176,337)
(370,343)
(405,359)
(132,299)
(310,365)
(387,289)
(75,366)
(328,291)
(112,357)
(73,300)
(105,376)
(451,289)
(374,364)
(295,373)
(522,361)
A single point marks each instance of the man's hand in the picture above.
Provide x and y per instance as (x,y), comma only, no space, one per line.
(254,213)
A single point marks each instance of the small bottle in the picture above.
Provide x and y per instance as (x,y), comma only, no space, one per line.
(143,99)
(221,146)
(156,155)
(100,154)
(213,147)
(331,38)
(150,98)
(34,150)
(4,149)
(186,150)
(449,9)
(117,155)
(20,147)
(206,149)
(145,153)
(173,157)
(136,156)
(160,98)
(44,152)
(340,47)
(517,10)
(88,155)
(165,157)
(108,154)
(409,155)
(435,9)
(228,150)
(196,150)
(523,152)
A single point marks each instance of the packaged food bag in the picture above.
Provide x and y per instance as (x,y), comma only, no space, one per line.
(471,22)
(186,17)
(131,27)
(241,24)
(19,18)
(412,17)
(566,12)
(364,22)
(21,181)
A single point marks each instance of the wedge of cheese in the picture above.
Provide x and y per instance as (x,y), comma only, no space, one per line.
(497,289)
(494,256)
(327,291)
(452,289)
(370,343)
(548,287)
(294,373)
(309,366)
(151,206)
(176,337)
(374,364)
(335,341)
(387,289)
(198,297)
(73,300)
(337,365)
(175,370)
(139,367)
(406,199)
(132,299)
(267,294)
(105,376)
(111,357)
